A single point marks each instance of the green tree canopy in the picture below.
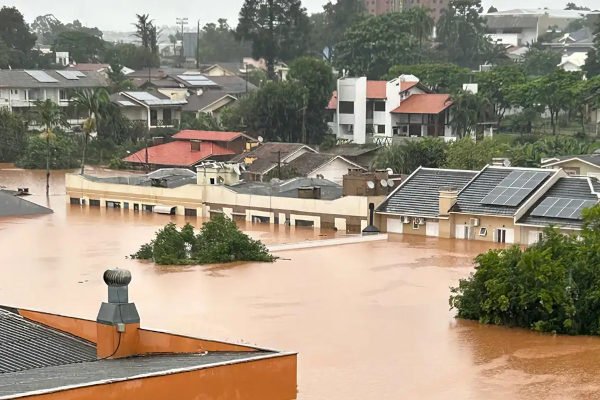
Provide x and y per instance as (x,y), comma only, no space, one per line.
(82,47)
(468,154)
(406,157)
(278,30)
(13,135)
(497,84)
(538,62)
(374,44)
(218,43)
(317,78)
(15,34)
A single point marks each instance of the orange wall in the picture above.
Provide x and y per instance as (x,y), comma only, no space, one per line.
(267,379)
(82,328)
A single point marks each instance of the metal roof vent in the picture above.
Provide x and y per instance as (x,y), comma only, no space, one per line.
(118,309)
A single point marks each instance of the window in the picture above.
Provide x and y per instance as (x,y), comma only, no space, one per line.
(167,119)
(212,181)
(380,128)
(415,223)
(346,107)
(153,118)
(14,91)
(501,235)
(379,106)
(62,95)
(540,236)
(482,231)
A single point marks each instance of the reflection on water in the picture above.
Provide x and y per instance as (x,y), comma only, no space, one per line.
(370,320)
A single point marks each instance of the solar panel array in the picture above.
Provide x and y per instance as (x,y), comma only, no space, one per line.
(41,76)
(71,75)
(514,188)
(560,207)
(197,80)
(152,100)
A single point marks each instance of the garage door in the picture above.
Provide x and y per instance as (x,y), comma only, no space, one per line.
(394,225)
(432,229)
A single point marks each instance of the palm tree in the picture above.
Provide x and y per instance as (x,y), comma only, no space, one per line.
(50,116)
(468,109)
(421,25)
(91,101)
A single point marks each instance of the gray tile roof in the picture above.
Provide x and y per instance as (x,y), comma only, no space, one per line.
(20,79)
(171,177)
(25,345)
(232,84)
(266,156)
(198,102)
(11,205)
(511,21)
(419,195)
(568,187)
(289,188)
(469,199)
(308,162)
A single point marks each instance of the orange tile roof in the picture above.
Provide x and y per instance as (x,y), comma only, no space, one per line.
(407,85)
(424,104)
(333,102)
(177,153)
(211,136)
(376,89)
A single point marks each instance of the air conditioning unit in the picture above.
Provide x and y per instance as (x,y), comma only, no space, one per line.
(406,220)
(420,221)
(474,221)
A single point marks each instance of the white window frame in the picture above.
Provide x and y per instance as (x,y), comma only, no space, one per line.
(483,231)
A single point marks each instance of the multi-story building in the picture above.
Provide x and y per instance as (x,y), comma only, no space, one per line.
(378,7)
(435,7)
(21,89)
(364,111)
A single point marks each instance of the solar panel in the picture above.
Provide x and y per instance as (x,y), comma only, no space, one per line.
(126,103)
(559,207)
(41,76)
(513,189)
(197,80)
(70,75)
(142,96)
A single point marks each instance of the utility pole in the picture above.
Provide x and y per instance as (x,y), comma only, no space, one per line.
(198,46)
(182,21)
(146,156)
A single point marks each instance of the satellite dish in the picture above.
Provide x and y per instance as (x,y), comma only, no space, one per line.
(383,183)
(370,184)
(260,139)
(390,171)
(390,183)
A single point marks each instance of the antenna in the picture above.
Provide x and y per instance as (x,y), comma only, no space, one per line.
(260,139)
(371,184)
(383,183)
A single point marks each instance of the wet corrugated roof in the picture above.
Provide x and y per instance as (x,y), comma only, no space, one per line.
(419,195)
(289,188)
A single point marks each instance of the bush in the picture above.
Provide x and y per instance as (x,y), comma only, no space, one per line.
(552,286)
(219,241)
(63,151)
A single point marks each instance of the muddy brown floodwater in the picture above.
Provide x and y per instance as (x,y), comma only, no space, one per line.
(369,320)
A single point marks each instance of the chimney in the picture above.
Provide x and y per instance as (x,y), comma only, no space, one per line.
(447,199)
(118,321)
(371,229)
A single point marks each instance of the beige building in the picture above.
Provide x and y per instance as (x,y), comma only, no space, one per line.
(581,165)
(496,204)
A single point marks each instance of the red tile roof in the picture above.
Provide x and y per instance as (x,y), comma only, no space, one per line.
(211,136)
(424,104)
(407,85)
(333,102)
(376,89)
(177,153)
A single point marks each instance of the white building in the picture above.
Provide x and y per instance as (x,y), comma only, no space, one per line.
(573,62)
(21,89)
(154,110)
(364,111)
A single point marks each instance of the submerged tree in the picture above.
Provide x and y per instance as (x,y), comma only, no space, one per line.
(219,241)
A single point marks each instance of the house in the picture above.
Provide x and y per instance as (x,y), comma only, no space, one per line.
(581,165)
(20,89)
(224,69)
(580,41)
(97,67)
(361,155)
(520,27)
(573,62)
(498,204)
(211,102)
(281,68)
(364,111)
(47,356)
(189,148)
(12,205)
(266,157)
(151,109)
(325,166)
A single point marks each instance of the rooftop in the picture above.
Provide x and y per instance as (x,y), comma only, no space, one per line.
(169,177)
(593,159)
(289,188)
(51,79)
(424,103)
(309,162)
(267,155)
(177,153)
(197,102)
(211,136)
(419,194)
(37,359)
(11,205)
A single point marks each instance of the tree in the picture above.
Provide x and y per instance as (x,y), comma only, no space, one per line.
(375,43)
(328,27)
(4,55)
(492,9)
(421,25)
(118,80)
(317,78)
(91,101)
(143,28)
(444,78)
(497,84)
(132,56)
(461,34)
(469,154)
(538,62)
(592,63)
(62,148)
(573,6)
(278,30)
(406,157)
(50,116)
(14,32)
(13,130)
(218,43)
(82,47)
(468,109)
(47,27)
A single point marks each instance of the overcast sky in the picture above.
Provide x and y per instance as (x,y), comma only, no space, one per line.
(119,14)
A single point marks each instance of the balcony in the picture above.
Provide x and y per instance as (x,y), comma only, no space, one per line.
(157,123)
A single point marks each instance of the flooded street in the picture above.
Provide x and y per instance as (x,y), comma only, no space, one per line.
(369,320)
